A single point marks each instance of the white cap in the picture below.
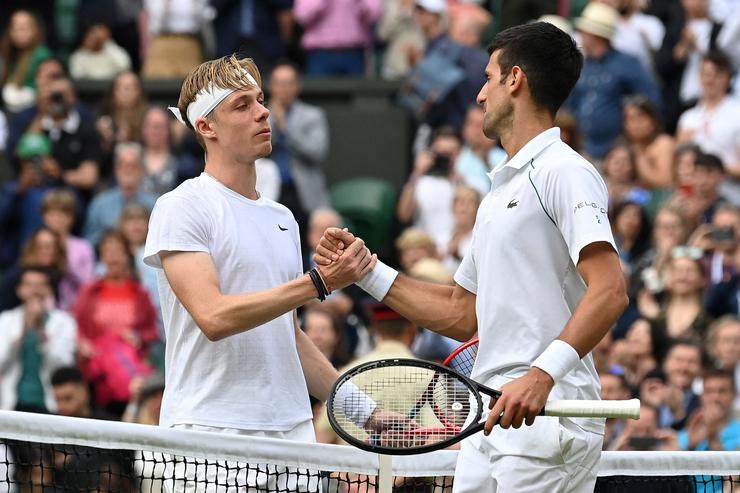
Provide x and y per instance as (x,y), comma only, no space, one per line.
(434,6)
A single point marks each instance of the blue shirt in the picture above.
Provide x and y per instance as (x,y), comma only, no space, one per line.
(106,208)
(596,100)
(729,437)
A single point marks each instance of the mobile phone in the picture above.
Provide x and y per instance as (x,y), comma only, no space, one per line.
(644,443)
(722,234)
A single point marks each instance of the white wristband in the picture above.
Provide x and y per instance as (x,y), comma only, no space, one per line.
(557,360)
(379,281)
(353,403)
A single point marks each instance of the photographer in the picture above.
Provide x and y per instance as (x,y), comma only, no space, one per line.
(75,143)
(427,196)
(644,433)
(720,240)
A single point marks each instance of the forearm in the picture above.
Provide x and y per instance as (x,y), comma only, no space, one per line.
(320,374)
(432,306)
(227,315)
(406,206)
(84,176)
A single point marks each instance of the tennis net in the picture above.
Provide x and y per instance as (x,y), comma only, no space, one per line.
(41,453)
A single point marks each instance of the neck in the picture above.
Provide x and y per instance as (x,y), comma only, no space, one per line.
(157,149)
(238,176)
(525,126)
(712,101)
(128,192)
(684,300)
(598,51)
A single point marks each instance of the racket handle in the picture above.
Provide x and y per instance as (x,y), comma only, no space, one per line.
(593,409)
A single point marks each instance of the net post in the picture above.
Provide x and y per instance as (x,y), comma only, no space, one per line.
(385,473)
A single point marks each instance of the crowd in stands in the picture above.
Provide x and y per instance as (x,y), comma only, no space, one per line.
(655,111)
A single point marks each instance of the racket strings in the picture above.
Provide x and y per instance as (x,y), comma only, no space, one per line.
(420,406)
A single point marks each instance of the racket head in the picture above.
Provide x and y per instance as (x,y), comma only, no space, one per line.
(462,359)
(428,406)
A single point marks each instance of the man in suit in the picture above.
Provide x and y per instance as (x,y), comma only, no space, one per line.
(300,144)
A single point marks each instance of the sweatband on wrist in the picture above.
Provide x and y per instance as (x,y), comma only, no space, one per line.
(379,281)
(353,403)
(557,360)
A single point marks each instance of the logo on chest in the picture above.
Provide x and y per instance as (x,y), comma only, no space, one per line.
(513,203)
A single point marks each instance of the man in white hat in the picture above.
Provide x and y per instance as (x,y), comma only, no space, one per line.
(607,77)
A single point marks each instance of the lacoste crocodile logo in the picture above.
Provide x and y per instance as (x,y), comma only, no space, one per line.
(513,203)
(281,228)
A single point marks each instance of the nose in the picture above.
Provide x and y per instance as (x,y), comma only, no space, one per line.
(481,97)
(264,113)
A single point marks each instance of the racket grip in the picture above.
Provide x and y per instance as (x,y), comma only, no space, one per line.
(593,409)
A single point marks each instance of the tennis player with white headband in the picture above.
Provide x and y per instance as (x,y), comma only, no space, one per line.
(230,276)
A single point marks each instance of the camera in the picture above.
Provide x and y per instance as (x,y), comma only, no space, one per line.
(644,443)
(722,234)
(441,166)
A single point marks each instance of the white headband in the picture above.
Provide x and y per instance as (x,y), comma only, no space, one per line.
(206,100)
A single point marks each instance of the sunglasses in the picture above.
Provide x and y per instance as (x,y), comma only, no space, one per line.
(683,251)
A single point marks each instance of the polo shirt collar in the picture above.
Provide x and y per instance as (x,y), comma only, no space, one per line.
(530,150)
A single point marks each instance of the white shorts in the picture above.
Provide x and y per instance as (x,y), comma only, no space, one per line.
(553,455)
(195,476)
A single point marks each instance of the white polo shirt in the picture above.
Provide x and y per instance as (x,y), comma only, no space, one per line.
(546,204)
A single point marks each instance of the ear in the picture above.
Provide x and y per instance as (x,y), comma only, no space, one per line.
(516,79)
(205,128)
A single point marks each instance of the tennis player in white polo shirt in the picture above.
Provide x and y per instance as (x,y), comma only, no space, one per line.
(542,284)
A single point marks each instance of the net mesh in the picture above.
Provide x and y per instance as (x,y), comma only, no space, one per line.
(53,454)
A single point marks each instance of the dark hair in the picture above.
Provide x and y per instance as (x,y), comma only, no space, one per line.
(118,236)
(720,60)
(646,106)
(12,56)
(642,241)
(710,162)
(720,373)
(446,131)
(35,269)
(286,62)
(548,56)
(67,374)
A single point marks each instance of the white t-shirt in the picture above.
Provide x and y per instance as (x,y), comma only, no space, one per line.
(434,196)
(546,204)
(252,380)
(716,132)
(640,36)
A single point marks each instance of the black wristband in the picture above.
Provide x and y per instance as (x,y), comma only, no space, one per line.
(318,284)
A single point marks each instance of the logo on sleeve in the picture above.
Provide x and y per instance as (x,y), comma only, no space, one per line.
(513,203)
(589,205)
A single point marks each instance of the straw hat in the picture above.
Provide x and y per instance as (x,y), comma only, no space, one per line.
(434,6)
(598,19)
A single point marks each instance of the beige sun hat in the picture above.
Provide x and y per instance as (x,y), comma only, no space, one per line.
(598,19)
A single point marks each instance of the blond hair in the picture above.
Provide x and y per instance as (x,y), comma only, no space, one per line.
(416,238)
(225,72)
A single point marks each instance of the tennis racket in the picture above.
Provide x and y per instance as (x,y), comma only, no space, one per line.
(417,406)
(462,359)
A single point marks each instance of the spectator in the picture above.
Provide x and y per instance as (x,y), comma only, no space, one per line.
(638,34)
(300,144)
(22,49)
(336,35)
(719,240)
(123,111)
(413,245)
(145,405)
(684,166)
(479,155)
(723,345)
(318,222)
(644,433)
(722,297)
(631,231)
(164,169)
(72,395)
(117,324)
(711,426)
(263,31)
(688,38)
(569,132)
(325,331)
(620,174)
(607,77)
(713,122)
(43,249)
(640,352)
(464,208)
(681,311)
(404,41)
(653,148)
(173,43)
(675,398)
(99,57)
(430,16)
(20,200)
(36,340)
(426,198)
(613,387)
(75,144)
(670,230)
(58,209)
(105,209)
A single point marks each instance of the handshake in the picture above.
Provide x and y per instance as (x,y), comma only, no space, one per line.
(342,259)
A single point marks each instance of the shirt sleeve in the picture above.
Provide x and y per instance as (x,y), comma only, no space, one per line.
(466,274)
(176,224)
(576,197)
